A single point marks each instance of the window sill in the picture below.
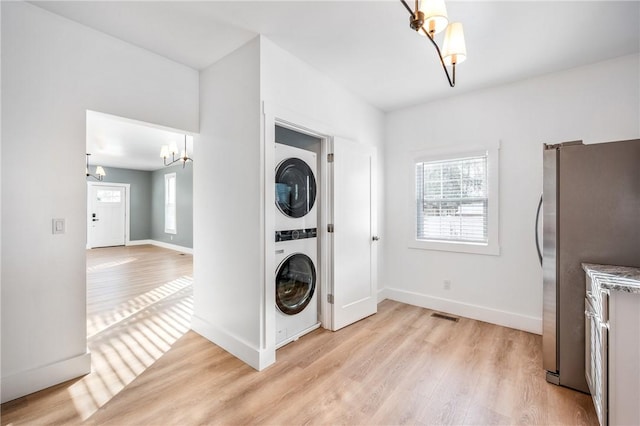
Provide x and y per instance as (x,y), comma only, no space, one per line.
(470,248)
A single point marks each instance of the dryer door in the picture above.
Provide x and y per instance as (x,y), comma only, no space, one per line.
(295,187)
(295,283)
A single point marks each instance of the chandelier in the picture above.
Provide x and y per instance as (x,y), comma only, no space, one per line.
(173,150)
(428,18)
(100,174)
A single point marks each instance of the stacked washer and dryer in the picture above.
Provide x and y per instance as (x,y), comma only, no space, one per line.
(296,222)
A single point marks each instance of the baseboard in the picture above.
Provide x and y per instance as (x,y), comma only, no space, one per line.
(139,242)
(382,294)
(162,244)
(237,347)
(481,313)
(26,382)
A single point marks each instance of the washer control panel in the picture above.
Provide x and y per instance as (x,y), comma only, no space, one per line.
(296,234)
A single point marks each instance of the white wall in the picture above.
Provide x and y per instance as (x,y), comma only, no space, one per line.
(53,70)
(598,103)
(233,303)
(227,209)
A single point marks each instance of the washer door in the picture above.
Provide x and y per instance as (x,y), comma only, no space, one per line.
(295,187)
(295,283)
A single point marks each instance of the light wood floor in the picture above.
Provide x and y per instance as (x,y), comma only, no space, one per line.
(400,366)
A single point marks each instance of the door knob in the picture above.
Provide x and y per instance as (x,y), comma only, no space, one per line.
(375,238)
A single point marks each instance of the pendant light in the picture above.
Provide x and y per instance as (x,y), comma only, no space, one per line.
(428,18)
(172,149)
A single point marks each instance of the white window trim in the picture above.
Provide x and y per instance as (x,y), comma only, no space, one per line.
(167,177)
(492,247)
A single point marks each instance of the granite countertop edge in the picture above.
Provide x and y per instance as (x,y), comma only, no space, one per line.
(612,277)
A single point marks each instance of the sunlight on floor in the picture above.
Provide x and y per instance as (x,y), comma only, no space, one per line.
(129,339)
(99,323)
(108,265)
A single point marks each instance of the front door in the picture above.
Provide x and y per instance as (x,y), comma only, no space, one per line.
(106,215)
(353,243)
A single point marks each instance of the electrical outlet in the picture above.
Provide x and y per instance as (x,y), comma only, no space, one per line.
(447,285)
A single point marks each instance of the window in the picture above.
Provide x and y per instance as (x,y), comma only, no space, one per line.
(456,201)
(108,196)
(170,203)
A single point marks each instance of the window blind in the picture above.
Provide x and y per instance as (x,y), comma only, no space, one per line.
(452,200)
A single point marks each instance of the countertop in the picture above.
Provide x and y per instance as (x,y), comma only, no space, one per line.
(620,278)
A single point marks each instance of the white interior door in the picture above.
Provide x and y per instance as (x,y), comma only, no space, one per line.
(353,246)
(107,210)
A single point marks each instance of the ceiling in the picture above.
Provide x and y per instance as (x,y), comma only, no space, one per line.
(129,144)
(367,46)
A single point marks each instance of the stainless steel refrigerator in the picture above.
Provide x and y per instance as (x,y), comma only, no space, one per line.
(590,213)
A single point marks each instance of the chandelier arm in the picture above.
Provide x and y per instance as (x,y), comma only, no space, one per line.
(173,158)
(96,176)
(452,83)
(454,74)
(408,8)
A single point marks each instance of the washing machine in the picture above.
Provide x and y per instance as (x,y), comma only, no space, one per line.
(296,206)
(296,284)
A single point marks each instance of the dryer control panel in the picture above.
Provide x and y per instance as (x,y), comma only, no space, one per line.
(296,234)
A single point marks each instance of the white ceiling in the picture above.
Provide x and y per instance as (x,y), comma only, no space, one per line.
(367,46)
(129,144)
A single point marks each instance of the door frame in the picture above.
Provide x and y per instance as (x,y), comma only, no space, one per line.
(273,115)
(127,206)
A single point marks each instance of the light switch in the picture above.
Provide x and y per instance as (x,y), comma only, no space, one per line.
(58,226)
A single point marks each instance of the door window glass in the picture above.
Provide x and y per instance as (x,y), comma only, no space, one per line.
(108,196)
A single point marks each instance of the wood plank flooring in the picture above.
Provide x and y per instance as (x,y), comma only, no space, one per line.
(400,366)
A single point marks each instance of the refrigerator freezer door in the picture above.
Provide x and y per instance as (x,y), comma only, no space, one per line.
(549,260)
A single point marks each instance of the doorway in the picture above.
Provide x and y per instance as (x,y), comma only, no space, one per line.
(139,277)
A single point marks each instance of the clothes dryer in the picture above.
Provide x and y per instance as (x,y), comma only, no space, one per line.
(296,187)
(296,286)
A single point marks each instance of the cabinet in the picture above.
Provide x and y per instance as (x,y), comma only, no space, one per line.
(624,358)
(612,342)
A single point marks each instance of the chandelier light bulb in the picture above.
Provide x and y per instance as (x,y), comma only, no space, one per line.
(435,16)
(454,50)
(173,148)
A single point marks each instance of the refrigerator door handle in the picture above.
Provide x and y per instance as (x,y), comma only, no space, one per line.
(536,230)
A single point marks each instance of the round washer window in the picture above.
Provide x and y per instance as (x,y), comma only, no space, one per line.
(295,283)
(295,187)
